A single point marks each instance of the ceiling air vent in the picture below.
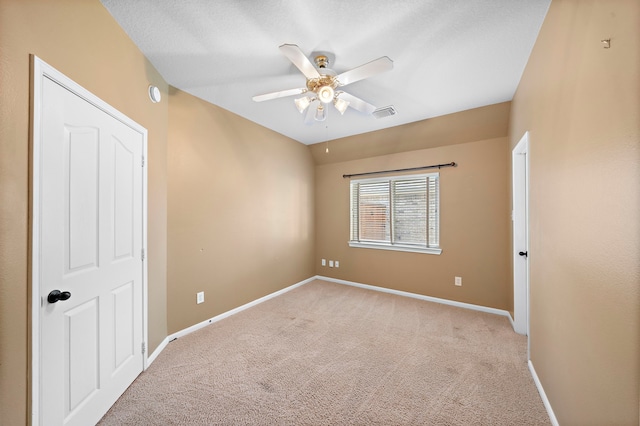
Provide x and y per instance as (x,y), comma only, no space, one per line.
(384,112)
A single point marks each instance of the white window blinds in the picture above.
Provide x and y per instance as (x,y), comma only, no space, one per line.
(396,212)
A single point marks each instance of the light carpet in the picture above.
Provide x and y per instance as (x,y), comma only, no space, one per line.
(330,354)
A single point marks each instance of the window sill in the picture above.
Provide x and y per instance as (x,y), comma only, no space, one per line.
(395,247)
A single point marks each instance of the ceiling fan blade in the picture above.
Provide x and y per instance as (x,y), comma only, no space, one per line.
(367,70)
(357,103)
(300,60)
(280,94)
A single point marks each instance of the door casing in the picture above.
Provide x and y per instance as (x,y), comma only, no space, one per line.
(40,71)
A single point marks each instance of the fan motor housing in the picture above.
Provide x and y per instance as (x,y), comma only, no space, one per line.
(321,61)
(314,84)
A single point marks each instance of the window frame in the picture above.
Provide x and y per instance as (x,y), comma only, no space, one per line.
(395,246)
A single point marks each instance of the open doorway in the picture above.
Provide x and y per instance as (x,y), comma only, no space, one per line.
(520,216)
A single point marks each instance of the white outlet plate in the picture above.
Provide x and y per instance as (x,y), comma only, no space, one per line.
(337,263)
(200,297)
(331,264)
(324,262)
(458,281)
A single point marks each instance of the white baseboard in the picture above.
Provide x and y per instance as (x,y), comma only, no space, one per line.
(204,323)
(513,324)
(155,353)
(224,315)
(421,297)
(543,395)
(152,357)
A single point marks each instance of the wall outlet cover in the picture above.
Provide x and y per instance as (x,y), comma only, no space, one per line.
(200,297)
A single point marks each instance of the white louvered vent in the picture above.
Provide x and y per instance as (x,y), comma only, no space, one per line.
(384,112)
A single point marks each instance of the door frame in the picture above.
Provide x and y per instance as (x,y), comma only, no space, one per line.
(520,182)
(39,71)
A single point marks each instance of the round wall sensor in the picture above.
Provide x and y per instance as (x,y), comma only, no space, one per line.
(154,94)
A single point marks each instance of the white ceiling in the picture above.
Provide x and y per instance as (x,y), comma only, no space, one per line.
(448,55)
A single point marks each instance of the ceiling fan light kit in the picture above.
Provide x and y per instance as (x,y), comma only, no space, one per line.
(325,94)
(321,113)
(341,105)
(323,82)
(303,102)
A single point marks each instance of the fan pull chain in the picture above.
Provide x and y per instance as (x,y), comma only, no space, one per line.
(326,138)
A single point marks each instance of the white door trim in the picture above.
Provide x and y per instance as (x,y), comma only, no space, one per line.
(520,181)
(41,71)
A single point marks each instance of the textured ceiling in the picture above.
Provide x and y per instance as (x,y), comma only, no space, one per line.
(448,55)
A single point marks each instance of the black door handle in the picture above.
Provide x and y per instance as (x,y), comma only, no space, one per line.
(524,253)
(56,295)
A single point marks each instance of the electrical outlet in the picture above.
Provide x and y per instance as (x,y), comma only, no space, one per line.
(324,262)
(337,263)
(200,297)
(458,281)
(331,264)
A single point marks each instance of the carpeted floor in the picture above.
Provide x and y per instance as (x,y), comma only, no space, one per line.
(329,354)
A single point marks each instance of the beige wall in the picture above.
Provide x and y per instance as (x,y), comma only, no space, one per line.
(474,221)
(581,104)
(241,221)
(491,121)
(80,39)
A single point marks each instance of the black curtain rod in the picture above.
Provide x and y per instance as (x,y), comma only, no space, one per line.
(452,164)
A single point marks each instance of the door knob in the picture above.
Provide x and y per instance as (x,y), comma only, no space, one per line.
(56,295)
(524,253)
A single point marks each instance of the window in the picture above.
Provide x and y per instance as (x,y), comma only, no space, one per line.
(396,213)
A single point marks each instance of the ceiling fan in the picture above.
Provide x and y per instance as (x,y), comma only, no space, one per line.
(323,84)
